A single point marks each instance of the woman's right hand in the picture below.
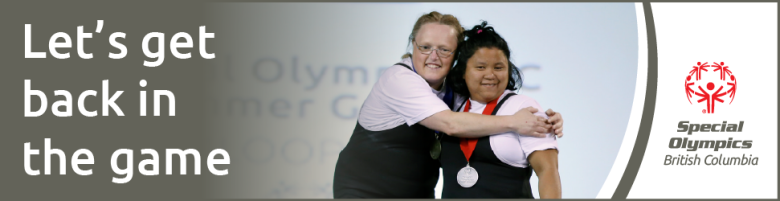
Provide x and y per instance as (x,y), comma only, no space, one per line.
(528,124)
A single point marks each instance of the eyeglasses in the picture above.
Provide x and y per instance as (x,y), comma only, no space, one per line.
(426,49)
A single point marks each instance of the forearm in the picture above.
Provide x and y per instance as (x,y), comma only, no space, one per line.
(545,164)
(549,184)
(468,125)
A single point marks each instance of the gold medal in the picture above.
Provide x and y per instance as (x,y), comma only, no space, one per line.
(436,149)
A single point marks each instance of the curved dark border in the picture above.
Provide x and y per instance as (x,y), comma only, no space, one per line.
(621,192)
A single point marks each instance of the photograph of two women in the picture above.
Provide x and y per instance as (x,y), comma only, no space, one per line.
(423,100)
(425,113)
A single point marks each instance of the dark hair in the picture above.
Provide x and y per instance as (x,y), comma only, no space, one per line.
(481,36)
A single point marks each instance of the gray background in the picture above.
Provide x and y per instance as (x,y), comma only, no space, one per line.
(101,135)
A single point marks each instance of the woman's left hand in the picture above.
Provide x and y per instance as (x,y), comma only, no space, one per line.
(557,121)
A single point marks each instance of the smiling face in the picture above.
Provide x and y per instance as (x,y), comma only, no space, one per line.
(487,74)
(434,67)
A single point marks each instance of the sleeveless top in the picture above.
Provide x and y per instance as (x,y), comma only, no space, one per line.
(393,163)
(497,179)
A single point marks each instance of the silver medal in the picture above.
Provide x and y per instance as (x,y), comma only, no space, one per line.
(467,176)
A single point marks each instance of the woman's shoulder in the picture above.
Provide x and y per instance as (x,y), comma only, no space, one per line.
(400,73)
(520,99)
(403,67)
(517,102)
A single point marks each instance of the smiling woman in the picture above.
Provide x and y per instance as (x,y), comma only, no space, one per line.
(488,76)
(434,66)
(393,150)
(496,166)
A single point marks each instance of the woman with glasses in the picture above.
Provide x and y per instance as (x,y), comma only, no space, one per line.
(394,150)
(496,166)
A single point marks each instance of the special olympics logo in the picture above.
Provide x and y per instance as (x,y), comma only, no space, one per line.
(713,79)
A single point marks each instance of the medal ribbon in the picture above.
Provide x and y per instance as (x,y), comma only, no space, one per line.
(467,145)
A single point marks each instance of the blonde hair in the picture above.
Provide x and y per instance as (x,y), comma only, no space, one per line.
(436,17)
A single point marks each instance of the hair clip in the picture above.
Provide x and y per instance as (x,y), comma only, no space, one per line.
(479,31)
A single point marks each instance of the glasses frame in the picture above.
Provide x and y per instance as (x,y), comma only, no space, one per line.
(438,51)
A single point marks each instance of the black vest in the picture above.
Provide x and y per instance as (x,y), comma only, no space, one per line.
(393,163)
(496,179)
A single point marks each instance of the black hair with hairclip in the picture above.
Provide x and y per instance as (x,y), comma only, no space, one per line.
(481,36)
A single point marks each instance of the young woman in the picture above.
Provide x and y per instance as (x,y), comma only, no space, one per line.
(496,166)
(393,150)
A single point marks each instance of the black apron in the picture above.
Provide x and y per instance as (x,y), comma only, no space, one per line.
(394,163)
(496,178)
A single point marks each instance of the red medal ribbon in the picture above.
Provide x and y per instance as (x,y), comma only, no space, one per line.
(467,145)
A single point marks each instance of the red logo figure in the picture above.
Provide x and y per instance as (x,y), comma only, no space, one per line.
(709,95)
(722,69)
(688,90)
(697,70)
(733,89)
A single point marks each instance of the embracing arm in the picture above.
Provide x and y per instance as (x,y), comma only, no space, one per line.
(402,91)
(545,164)
(470,125)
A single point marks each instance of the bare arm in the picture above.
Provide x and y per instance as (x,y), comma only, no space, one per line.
(470,125)
(545,164)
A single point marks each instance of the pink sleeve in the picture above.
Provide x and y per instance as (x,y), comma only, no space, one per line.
(531,144)
(409,95)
